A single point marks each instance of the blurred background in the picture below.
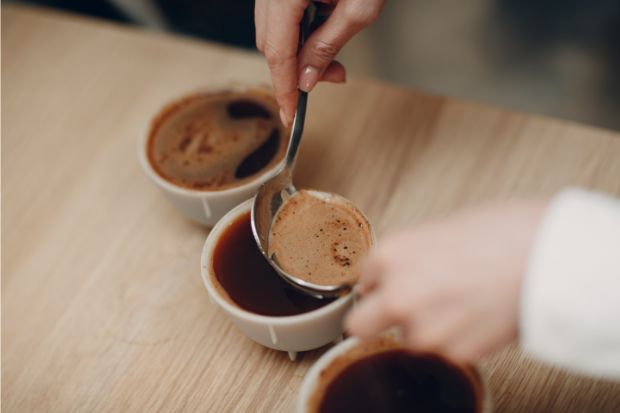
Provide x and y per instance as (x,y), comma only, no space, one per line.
(553,57)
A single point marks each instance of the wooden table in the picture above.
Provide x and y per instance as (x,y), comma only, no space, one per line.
(103,305)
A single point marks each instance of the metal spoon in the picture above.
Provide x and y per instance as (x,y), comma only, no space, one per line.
(275,192)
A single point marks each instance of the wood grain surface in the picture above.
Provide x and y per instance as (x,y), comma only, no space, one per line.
(103,308)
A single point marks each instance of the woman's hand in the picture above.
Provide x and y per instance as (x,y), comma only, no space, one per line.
(277,36)
(453,285)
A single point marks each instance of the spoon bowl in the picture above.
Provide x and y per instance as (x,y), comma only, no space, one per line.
(268,201)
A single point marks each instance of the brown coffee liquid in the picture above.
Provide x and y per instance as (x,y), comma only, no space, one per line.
(213,141)
(399,381)
(250,281)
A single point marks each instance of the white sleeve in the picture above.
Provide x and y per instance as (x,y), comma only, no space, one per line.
(570,305)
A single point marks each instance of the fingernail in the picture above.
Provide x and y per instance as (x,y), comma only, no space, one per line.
(308,78)
(283,118)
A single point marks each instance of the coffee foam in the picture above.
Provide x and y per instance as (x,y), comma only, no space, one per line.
(319,238)
(217,140)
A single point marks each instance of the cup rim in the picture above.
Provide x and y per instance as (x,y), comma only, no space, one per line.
(169,186)
(205,259)
(312,376)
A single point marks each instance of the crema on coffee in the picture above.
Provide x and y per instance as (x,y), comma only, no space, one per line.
(319,238)
(216,140)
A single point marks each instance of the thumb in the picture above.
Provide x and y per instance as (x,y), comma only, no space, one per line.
(347,19)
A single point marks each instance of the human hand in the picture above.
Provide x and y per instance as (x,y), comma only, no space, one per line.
(452,284)
(277,35)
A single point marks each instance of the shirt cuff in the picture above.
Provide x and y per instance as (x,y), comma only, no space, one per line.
(570,302)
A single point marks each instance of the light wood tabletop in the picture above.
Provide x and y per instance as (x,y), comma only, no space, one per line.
(103,307)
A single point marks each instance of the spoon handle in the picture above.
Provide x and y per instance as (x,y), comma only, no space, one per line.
(297,130)
(300,113)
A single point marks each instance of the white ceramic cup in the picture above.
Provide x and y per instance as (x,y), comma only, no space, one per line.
(203,206)
(294,333)
(312,377)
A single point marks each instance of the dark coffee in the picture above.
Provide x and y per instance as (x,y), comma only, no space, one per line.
(213,141)
(400,381)
(249,281)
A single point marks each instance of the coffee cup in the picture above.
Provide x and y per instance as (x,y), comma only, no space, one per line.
(301,331)
(357,372)
(208,202)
